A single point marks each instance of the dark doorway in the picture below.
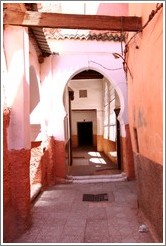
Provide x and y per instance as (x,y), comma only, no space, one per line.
(85,133)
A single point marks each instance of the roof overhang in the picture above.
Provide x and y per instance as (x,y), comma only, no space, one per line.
(43,26)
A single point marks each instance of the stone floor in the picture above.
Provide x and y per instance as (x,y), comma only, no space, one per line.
(61,216)
(89,161)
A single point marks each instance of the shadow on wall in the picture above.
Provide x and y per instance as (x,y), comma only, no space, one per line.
(34,89)
(34,104)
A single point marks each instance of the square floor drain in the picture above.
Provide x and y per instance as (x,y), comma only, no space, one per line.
(95,198)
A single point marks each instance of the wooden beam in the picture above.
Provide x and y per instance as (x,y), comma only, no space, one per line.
(88,74)
(72,21)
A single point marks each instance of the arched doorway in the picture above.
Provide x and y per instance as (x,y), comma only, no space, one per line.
(93,123)
(63,70)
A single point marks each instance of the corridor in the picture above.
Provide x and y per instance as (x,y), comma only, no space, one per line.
(86,160)
(60,215)
(87,76)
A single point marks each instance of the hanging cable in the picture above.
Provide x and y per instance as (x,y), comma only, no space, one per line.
(111,69)
(121,36)
(151,16)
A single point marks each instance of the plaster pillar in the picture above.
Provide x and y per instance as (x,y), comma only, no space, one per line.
(16,48)
(57,127)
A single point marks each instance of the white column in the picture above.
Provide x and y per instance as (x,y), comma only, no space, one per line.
(16,47)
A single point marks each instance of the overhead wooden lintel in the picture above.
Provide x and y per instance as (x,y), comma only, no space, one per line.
(72,21)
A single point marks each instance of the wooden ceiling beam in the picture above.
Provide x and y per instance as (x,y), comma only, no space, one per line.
(88,74)
(72,21)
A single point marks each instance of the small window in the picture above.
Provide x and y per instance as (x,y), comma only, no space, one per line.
(82,93)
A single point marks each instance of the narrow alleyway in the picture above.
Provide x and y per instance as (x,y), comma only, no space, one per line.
(87,76)
(60,215)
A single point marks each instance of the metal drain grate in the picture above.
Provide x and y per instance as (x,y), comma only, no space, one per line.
(95,198)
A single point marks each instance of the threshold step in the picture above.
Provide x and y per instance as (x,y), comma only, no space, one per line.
(98,178)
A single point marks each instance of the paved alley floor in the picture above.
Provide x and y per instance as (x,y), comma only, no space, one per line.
(61,216)
(88,161)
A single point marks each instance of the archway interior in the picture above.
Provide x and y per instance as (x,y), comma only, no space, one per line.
(93,127)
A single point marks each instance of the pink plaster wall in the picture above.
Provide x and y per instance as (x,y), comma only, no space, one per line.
(16,49)
(146,89)
(36,117)
(145,100)
(16,133)
(57,70)
(34,73)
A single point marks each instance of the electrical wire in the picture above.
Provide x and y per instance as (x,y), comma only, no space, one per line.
(151,16)
(111,69)
(121,35)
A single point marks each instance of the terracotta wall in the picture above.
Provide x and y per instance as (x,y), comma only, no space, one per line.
(150,193)
(145,95)
(127,159)
(35,164)
(8,211)
(20,171)
(146,87)
(16,133)
(20,185)
(48,163)
(59,158)
(16,205)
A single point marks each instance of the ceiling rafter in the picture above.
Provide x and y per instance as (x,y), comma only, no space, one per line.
(72,21)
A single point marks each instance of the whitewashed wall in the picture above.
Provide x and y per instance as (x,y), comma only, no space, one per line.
(111,101)
(84,116)
(35,95)
(71,58)
(94,100)
(16,50)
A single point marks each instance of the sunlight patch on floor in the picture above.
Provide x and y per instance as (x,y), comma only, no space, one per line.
(92,153)
(97,160)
